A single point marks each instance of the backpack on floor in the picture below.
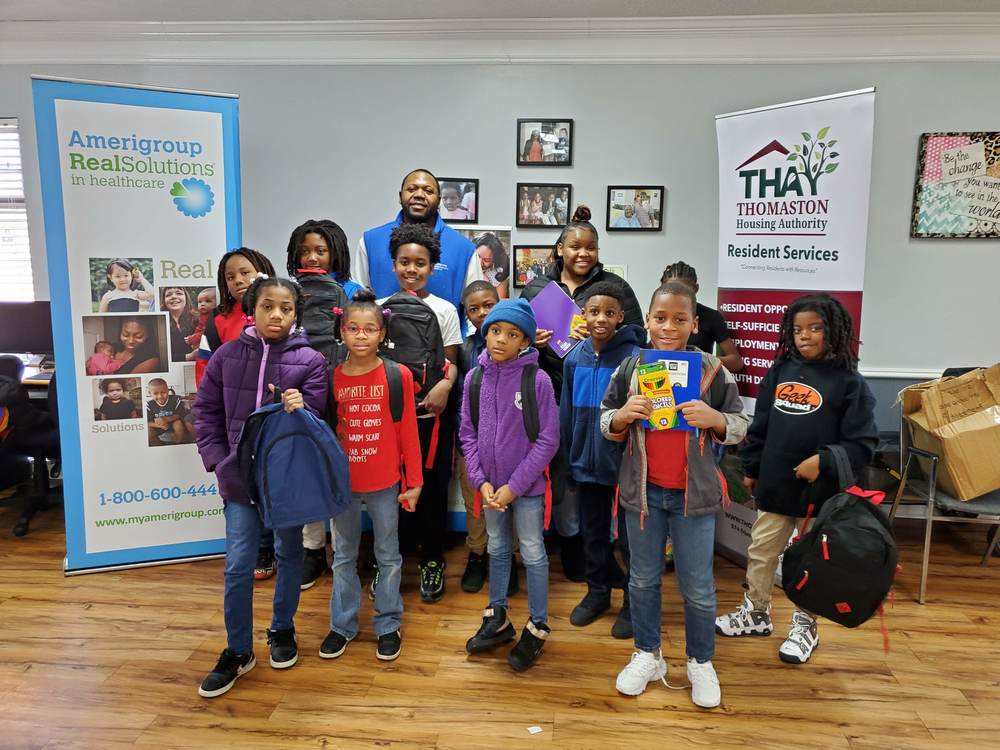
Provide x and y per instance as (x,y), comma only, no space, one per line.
(322,294)
(413,338)
(844,567)
(293,466)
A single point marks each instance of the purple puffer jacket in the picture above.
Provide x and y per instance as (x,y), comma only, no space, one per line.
(236,383)
(501,453)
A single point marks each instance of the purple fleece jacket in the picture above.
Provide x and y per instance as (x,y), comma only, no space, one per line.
(235,385)
(500,452)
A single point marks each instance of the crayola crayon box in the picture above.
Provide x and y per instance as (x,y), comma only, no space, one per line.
(669,379)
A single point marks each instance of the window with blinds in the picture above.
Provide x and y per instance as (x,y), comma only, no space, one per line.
(15,255)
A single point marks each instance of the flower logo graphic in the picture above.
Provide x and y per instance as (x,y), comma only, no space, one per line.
(193,197)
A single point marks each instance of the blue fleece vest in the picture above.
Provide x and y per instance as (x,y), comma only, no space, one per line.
(448,279)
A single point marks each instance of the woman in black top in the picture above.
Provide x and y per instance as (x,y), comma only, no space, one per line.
(182,322)
(139,349)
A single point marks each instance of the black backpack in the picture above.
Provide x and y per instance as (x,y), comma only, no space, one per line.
(414,339)
(322,294)
(844,567)
(529,399)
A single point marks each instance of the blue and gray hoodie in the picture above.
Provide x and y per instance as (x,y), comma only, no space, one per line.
(586,374)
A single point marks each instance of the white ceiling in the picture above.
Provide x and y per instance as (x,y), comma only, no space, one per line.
(371,10)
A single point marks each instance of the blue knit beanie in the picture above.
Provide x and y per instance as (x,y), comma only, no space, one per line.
(517,312)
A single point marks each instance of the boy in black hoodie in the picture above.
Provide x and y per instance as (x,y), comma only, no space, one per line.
(811,398)
(592,458)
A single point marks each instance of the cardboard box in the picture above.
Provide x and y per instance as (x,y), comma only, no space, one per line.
(959,420)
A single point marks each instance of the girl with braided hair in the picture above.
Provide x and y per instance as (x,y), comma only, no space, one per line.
(321,243)
(811,399)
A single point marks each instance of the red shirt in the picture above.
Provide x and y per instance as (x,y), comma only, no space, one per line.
(367,434)
(666,455)
(229,326)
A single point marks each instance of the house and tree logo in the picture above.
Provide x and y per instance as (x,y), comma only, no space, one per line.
(815,157)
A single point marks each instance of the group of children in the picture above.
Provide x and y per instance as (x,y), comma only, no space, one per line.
(532,428)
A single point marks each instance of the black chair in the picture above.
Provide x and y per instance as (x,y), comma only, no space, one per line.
(41,448)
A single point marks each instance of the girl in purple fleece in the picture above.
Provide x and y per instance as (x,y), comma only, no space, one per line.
(271,356)
(509,472)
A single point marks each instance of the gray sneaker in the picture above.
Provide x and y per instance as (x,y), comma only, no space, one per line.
(802,640)
(745,621)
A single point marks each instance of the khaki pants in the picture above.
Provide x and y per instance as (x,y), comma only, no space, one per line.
(768,538)
(475,538)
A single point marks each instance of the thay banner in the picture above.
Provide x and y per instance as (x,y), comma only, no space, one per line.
(141,193)
(794,183)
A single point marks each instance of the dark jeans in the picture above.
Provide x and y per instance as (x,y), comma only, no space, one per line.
(600,567)
(428,524)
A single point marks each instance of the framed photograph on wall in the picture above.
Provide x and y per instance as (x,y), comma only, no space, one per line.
(493,246)
(544,143)
(543,204)
(459,200)
(957,189)
(633,208)
(618,269)
(530,261)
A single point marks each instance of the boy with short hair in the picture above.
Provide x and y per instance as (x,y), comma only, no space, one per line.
(593,459)
(165,414)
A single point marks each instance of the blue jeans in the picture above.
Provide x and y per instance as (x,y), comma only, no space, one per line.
(243,534)
(528,514)
(694,547)
(345,599)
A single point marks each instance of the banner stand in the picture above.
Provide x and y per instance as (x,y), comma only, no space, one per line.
(141,196)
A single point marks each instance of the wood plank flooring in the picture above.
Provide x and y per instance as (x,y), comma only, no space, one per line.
(113,660)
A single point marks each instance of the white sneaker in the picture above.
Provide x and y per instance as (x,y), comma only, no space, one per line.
(638,673)
(802,640)
(745,620)
(705,690)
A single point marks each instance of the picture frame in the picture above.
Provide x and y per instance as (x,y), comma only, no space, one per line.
(542,204)
(956,190)
(618,269)
(544,142)
(494,248)
(635,208)
(460,212)
(529,261)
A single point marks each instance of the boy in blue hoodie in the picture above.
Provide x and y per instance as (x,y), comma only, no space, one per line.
(507,466)
(593,459)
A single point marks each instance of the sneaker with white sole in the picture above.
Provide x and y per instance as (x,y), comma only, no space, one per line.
(745,621)
(644,668)
(802,640)
(705,690)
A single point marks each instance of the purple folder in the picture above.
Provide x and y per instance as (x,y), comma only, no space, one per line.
(554,311)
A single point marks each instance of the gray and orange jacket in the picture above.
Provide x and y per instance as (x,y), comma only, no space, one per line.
(706,487)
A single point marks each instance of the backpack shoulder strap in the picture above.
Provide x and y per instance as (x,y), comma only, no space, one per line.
(845,474)
(529,402)
(395,380)
(628,368)
(212,333)
(475,386)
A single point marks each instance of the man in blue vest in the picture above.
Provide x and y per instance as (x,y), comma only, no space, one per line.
(419,196)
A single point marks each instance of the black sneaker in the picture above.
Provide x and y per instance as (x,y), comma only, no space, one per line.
(230,667)
(432,581)
(622,628)
(373,583)
(525,653)
(264,568)
(313,567)
(475,573)
(284,650)
(333,645)
(495,630)
(514,582)
(389,646)
(590,608)
(571,554)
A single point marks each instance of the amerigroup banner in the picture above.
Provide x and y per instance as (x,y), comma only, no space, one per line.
(794,181)
(140,189)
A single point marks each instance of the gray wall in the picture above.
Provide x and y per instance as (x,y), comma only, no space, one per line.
(335,141)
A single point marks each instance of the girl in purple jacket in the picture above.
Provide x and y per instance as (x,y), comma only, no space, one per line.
(272,355)
(509,472)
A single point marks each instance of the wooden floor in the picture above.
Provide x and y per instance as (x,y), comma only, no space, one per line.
(113,660)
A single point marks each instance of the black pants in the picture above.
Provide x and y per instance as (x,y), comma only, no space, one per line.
(427,526)
(600,567)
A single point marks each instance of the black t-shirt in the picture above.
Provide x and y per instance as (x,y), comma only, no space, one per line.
(122,410)
(712,329)
(174,407)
